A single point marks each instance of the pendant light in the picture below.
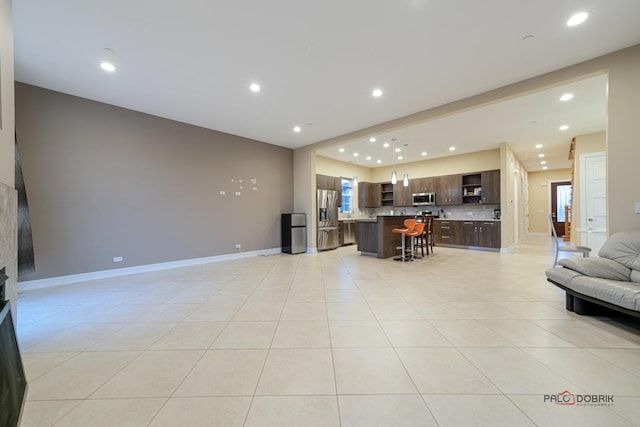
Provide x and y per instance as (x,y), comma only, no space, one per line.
(405,179)
(394,176)
(355,176)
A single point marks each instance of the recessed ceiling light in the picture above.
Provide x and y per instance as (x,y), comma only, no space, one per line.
(107,66)
(297,129)
(368,157)
(372,139)
(577,19)
(538,145)
(255,87)
(564,127)
(341,150)
(424,153)
(544,162)
(545,167)
(377,93)
(378,161)
(452,148)
(541,155)
(385,145)
(398,150)
(107,63)
(399,157)
(566,97)
(355,154)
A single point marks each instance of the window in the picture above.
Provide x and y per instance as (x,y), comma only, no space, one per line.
(563,196)
(347,195)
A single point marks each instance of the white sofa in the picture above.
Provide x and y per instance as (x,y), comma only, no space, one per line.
(612,281)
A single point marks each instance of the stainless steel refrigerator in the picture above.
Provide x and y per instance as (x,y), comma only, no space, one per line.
(294,233)
(327,220)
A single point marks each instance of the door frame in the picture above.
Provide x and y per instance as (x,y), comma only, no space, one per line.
(549,195)
(552,196)
(584,228)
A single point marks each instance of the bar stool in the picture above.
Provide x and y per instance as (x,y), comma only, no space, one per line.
(417,232)
(426,239)
(409,225)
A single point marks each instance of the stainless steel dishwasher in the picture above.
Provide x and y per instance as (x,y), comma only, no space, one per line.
(349,232)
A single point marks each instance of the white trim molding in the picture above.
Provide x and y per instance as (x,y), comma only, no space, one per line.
(32,285)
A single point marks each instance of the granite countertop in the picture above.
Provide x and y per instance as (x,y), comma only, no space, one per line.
(466,219)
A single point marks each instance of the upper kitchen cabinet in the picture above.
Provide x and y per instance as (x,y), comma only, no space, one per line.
(326,182)
(337,186)
(449,190)
(491,187)
(481,187)
(402,195)
(322,182)
(423,185)
(386,194)
(369,195)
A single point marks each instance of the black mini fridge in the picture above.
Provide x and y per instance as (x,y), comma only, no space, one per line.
(294,233)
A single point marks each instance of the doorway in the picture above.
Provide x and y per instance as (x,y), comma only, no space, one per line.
(593,200)
(560,198)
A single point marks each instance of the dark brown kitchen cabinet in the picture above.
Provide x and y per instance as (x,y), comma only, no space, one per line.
(447,232)
(491,187)
(386,194)
(423,185)
(481,188)
(322,182)
(402,195)
(449,190)
(489,234)
(326,182)
(369,194)
(469,233)
(337,186)
(484,234)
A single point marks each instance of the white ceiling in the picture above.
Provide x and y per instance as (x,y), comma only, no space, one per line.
(522,122)
(317,62)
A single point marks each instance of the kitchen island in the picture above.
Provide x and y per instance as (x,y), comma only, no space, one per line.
(375,237)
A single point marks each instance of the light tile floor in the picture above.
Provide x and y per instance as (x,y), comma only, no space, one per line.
(330,339)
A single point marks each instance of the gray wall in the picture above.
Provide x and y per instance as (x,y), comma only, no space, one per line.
(103,181)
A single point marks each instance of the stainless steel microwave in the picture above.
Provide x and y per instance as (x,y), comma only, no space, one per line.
(424,199)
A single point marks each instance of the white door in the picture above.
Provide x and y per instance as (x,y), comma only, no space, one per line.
(594,199)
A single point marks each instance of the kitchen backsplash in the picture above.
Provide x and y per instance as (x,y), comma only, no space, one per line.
(471,212)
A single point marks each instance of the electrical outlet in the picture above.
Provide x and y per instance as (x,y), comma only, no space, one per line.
(118,259)
(238,246)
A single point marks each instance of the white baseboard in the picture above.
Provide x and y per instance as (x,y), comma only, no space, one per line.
(508,249)
(105,274)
